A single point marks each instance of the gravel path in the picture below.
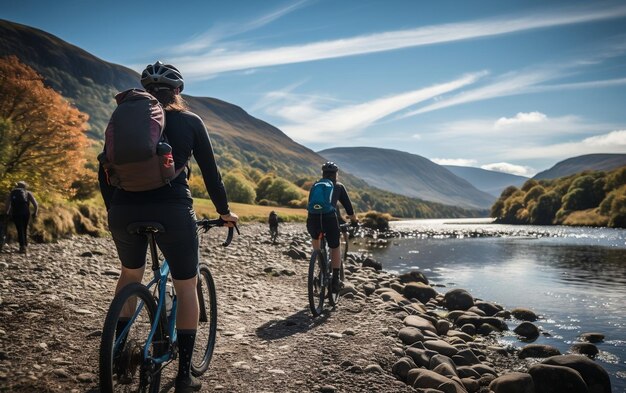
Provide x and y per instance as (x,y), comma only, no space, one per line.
(53,303)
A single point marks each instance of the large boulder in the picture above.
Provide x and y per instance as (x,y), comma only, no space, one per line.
(443,365)
(592,337)
(369,262)
(410,335)
(524,314)
(458,299)
(538,351)
(441,347)
(490,309)
(426,379)
(587,349)
(513,383)
(420,356)
(402,366)
(420,291)
(420,323)
(555,379)
(596,378)
(413,276)
(527,330)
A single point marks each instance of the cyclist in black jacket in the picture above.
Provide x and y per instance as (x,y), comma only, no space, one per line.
(172,206)
(329,223)
(18,208)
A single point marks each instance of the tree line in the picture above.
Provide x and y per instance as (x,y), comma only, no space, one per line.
(592,198)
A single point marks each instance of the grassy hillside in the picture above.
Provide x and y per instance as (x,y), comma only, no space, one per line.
(588,162)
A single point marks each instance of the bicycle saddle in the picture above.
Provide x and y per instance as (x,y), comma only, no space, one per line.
(139,228)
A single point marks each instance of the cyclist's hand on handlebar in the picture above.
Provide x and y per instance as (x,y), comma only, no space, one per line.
(230,218)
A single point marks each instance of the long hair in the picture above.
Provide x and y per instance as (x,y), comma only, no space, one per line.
(330,175)
(170,101)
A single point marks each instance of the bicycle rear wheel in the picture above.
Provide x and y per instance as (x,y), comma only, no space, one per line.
(333,297)
(122,364)
(207,325)
(318,280)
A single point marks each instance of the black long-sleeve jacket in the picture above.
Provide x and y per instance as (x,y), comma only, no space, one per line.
(340,194)
(187,135)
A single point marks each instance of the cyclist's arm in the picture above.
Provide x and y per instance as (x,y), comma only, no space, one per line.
(203,153)
(345,201)
(106,190)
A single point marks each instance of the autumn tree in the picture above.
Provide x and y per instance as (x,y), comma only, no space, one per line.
(42,136)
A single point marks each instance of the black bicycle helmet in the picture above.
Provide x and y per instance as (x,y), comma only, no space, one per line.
(162,74)
(330,167)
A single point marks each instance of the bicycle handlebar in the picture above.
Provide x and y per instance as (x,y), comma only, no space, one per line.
(206,224)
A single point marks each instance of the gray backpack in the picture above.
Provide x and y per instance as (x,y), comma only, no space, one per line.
(136,154)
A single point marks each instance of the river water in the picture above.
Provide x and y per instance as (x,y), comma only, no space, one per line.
(574,277)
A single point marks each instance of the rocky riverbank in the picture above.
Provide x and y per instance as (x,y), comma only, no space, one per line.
(388,334)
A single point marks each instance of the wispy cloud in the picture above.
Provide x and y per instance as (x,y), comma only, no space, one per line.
(222,31)
(520,119)
(611,142)
(306,121)
(522,126)
(224,59)
(454,161)
(513,169)
(513,83)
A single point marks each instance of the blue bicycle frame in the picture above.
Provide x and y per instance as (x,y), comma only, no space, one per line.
(161,274)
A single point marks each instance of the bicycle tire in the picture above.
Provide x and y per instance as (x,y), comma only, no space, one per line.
(207,326)
(333,297)
(317,282)
(131,348)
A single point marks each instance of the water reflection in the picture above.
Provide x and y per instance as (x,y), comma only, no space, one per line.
(580,266)
(574,277)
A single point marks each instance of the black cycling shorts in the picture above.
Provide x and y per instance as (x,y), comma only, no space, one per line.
(179,243)
(327,223)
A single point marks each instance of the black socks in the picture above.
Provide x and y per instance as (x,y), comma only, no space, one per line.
(186,340)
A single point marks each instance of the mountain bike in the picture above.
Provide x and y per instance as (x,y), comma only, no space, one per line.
(133,354)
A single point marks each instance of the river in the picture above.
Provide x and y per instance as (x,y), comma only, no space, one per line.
(574,277)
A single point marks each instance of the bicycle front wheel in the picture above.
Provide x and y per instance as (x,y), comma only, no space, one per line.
(318,280)
(123,367)
(207,325)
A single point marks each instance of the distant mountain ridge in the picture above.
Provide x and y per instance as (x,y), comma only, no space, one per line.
(491,182)
(408,174)
(593,162)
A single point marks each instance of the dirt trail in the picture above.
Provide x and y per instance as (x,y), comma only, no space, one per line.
(53,303)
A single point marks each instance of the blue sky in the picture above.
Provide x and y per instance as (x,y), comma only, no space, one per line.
(514,86)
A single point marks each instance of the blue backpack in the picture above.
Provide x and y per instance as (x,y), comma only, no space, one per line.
(320,197)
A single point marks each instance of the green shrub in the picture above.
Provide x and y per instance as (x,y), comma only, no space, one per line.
(376,220)
(530,183)
(534,193)
(239,189)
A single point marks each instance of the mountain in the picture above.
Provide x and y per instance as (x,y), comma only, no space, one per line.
(491,182)
(594,162)
(241,141)
(408,174)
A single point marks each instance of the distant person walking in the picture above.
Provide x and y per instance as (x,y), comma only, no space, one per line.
(18,208)
(273,222)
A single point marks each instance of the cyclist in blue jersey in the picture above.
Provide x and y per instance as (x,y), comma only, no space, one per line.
(328,223)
